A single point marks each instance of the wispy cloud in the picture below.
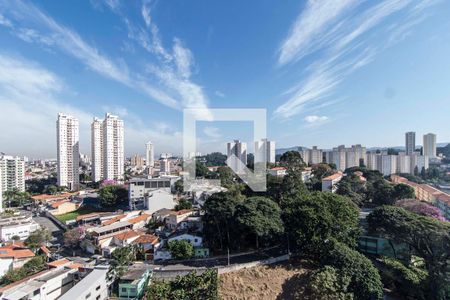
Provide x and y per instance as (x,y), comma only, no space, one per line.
(315,119)
(219,94)
(46,31)
(212,132)
(342,41)
(32,92)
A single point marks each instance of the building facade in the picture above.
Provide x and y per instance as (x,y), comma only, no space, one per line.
(149,154)
(265,151)
(107,148)
(410,142)
(239,150)
(68,151)
(429,145)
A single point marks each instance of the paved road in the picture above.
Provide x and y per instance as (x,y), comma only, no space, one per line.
(54,230)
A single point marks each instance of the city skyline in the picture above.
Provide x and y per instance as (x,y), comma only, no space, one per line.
(147,60)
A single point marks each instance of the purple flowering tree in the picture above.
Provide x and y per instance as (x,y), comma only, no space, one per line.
(421,208)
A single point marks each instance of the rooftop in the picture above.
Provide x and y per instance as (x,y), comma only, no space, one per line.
(15,252)
(117,225)
(146,239)
(135,272)
(180,212)
(334,176)
(126,235)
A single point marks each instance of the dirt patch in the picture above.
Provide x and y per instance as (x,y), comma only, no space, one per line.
(281,281)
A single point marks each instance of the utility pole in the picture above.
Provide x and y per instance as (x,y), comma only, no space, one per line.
(228,254)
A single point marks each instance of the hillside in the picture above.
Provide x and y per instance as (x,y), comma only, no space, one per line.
(264,282)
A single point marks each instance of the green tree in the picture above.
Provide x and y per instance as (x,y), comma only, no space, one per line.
(183,204)
(259,216)
(192,286)
(219,219)
(312,220)
(292,182)
(226,176)
(181,249)
(122,258)
(427,237)
(328,283)
(38,238)
(352,187)
(402,191)
(365,282)
(179,188)
(112,195)
(200,169)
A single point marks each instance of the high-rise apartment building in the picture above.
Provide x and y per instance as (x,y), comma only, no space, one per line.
(345,158)
(410,142)
(265,151)
(149,154)
(388,164)
(12,175)
(68,151)
(429,145)
(403,164)
(97,150)
(238,149)
(137,161)
(107,148)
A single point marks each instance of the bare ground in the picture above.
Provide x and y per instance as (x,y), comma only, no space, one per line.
(281,281)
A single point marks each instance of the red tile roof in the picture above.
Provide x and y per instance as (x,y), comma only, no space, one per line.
(113,220)
(15,252)
(146,239)
(58,263)
(334,176)
(180,212)
(139,218)
(126,235)
(278,169)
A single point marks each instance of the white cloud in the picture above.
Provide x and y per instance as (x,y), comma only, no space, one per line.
(5,22)
(212,132)
(316,119)
(341,44)
(219,94)
(315,19)
(29,101)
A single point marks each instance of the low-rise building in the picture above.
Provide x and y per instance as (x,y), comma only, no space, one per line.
(176,217)
(46,285)
(20,225)
(152,193)
(13,257)
(94,285)
(63,207)
(133,283)
(278,171)
(329,183)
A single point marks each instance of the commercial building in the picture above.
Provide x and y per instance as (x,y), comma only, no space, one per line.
(107,148)
(137,161)
(429,145)
(265,151)
(410,142)
(68,151)
(237,149)
(152,194)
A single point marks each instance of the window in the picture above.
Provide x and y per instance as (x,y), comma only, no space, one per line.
(97,288)
(124,290)
(97,298)
(87,296)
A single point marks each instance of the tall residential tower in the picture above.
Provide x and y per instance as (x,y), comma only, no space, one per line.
(68,151)
(410,142)
(429,145)
(107,148)
(265,151)
(238,149)
(149,154)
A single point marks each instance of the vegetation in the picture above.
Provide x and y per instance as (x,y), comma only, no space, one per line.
(214,159)
(365,281)
(181,249)
(311,220)
(192,286)
(15,198)
(328,284)
(232,220)
(122,258)
(34,265)
(421,208)
(112,195)
(38,238)
(39,186)
(74,214)
(406,280)
(427,237)
(73,237)
(183,204)
(376,190)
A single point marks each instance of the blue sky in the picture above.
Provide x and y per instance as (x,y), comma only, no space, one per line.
(328,72)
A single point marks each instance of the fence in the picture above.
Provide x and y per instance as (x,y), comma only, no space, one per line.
(237,267)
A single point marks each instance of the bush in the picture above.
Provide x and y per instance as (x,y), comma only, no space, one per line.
(328,283)
(181,249)
(365,281)
(408,281)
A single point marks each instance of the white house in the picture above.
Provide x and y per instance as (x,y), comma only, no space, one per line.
(195,240)
(278,171)
(17,225)
(12,257)
(329,184)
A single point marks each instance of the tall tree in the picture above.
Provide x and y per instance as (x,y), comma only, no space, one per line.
(428,237)
(259,216)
